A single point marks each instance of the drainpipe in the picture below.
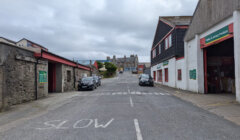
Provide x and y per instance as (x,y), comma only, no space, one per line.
(36,83)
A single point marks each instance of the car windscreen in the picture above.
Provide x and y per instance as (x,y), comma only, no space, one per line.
(144,76)
(88,79)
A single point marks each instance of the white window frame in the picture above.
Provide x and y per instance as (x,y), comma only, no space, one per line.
(154,53)
(170,41)
(160,50)
(166,43)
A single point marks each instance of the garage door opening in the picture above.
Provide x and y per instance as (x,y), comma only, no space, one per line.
(219,67)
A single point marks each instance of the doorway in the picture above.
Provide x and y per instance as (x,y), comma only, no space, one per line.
(220,68)
(51,77)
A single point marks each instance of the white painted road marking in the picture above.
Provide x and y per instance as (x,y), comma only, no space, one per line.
(80,124)
(124,93)
(131,101)
(138,131)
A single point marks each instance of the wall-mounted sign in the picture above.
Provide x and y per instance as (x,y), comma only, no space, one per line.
(193,74)
(42,77)
(218,36)
(165,63)
(159,66)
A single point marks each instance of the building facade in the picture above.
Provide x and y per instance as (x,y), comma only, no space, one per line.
(212,48)
(28,73)
(125,63)
(144,68)
(167,53)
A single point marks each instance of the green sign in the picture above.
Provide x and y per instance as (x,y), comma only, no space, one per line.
(42,77)
(193,74)
(217,35)
(165,63)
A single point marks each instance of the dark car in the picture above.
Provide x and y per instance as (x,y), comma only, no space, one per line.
(87,83)
(98,80)
(121,72)
(134,72)
(146,79)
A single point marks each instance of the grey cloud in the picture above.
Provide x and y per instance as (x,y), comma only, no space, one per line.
(86,29)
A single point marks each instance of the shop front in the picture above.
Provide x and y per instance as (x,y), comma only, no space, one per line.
(218,58)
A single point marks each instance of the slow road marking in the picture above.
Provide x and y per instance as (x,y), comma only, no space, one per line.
(138,131)
(80,124)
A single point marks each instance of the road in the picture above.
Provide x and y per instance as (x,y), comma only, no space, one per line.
(122,110)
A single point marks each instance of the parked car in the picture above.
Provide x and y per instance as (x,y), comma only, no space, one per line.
(146,79)
(97,80)
(87,83)
(121,72)
(134,72)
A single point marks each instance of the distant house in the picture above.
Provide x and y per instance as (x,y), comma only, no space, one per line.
(27,43)
(143,68)
(167,51)
(125,63)
(90,63)
(5,40)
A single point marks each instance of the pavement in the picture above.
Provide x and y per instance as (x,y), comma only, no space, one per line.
(224,105)
(118,110)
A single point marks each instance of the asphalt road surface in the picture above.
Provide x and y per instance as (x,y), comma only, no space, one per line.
(122,110)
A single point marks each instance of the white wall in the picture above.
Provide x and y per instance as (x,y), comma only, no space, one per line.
(180,64)
(236,15)
(171,72)
(191,63)
(194,57)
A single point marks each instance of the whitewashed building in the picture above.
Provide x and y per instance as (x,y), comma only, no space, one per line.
(212,48)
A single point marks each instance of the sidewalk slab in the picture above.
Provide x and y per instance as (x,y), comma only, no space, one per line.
(22,112)
(224,105)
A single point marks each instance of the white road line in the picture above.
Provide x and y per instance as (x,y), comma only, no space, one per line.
(161,93)
(138,131)
(131,101)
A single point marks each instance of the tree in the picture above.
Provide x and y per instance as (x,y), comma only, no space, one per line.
(100,65)
(111,68)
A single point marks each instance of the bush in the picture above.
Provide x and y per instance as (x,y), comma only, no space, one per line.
(111,70)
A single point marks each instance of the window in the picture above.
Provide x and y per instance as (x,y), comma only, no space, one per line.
(179,74)
(68,76)
(166,43)
(160,51)
(154,53)
(166,74)
(159,75)
(170,41)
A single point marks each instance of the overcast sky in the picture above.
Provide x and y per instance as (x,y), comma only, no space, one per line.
(89,29)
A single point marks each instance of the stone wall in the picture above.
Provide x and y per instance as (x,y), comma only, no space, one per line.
(1,87)
(79,73)
(68,78)
(18,66)
(42,87)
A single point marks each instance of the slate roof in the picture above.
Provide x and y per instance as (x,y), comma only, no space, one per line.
(177,20)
